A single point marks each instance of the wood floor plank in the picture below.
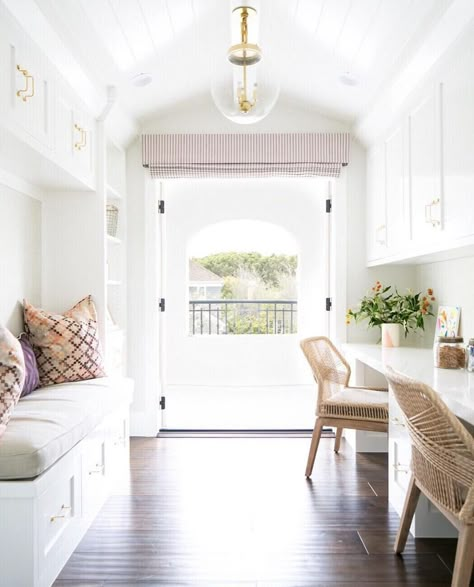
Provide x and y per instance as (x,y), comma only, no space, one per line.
(230,512)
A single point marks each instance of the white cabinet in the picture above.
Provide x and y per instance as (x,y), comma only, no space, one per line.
(48,127)
(396,186)
(376,203)
(457,99)
(428,170)
(424,137)
(74,136)
(27,85)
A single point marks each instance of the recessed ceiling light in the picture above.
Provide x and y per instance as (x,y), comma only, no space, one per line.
(348,79)
(142,79)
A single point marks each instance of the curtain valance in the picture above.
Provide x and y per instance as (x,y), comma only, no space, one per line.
(245,155)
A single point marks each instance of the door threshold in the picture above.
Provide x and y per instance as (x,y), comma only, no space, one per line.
(237,433)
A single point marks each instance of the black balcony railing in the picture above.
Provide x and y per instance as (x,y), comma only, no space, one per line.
(242,317)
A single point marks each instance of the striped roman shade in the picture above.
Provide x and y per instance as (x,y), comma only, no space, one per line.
(245,155)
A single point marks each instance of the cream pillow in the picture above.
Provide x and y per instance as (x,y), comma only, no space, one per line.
(12,375)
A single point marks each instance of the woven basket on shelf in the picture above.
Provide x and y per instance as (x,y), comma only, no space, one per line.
(112,219)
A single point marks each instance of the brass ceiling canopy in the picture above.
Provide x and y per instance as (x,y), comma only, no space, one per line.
(245,52)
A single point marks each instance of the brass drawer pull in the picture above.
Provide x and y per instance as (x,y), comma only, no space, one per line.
(429,218)
(61,516)
(23,93)
(98,469)
(397,422)
(81,143)
(401,468)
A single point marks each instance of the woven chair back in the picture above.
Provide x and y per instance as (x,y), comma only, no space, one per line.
(329,367)
(442,449)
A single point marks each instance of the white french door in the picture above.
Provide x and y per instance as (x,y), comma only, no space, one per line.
(241,382)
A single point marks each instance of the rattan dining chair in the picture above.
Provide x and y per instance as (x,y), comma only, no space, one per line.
(442,467)
(338,405)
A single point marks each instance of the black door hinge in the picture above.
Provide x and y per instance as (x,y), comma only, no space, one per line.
(328,304)
(328,206)
(163,402)
(162,304)
(161,206)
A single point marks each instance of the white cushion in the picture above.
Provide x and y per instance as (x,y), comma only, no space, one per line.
(46,424)
(351,395)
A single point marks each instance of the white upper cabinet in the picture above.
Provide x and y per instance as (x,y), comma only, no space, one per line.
(457,100)
(424,126)
(396,186)
(27,86)
(428,172)
(41,113)
(376,203)
(74,136)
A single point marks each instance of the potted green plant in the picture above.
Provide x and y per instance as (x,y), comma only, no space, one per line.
(386,308)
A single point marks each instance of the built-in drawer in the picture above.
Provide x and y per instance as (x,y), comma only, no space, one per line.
(94,481)
(117,446)
(59,507)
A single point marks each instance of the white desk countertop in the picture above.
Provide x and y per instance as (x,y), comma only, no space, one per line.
(455,386)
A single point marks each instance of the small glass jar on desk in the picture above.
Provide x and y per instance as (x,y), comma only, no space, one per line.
(449,352)
(470,355)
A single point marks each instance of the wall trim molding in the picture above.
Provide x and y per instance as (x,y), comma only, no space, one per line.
(18,184)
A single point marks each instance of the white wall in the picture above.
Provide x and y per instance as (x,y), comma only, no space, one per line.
(201,115)
(20,255)
(73,251)
(453,284)
(360,278)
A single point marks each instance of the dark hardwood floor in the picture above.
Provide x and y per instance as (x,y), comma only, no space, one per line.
(223,512)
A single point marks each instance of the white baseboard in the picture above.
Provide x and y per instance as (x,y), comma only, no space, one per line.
(144,423)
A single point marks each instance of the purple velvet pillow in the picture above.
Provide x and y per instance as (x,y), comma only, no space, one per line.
(31,368)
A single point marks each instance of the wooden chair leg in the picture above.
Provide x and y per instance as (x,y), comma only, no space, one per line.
(314,446)
(464,557)
(337,444)
(411,501)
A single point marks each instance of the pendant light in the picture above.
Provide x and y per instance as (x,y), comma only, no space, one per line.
(244,87)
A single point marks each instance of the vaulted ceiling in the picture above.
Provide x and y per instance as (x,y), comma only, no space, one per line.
(312,43)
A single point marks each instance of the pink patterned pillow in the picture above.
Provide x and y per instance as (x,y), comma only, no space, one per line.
(12,375)
(67,346)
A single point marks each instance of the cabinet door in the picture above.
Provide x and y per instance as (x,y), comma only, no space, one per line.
(29,88)
(425,172)
(458,142)
(376,204)
(74,137)
(398,226)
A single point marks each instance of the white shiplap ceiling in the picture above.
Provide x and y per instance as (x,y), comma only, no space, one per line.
(312,42)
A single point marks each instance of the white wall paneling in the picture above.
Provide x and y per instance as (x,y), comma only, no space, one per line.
(73,252)
(20,261)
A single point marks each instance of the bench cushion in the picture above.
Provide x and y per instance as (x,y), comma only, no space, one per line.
(48,423)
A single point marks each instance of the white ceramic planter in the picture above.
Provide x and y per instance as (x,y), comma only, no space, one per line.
(390,335)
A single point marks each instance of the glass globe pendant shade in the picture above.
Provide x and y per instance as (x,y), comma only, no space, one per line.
(244,94)
(244,86)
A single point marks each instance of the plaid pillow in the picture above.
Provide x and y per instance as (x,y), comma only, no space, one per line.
(67,346)
(12,375)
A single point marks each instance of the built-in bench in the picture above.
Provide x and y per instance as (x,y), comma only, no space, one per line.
(61,452)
